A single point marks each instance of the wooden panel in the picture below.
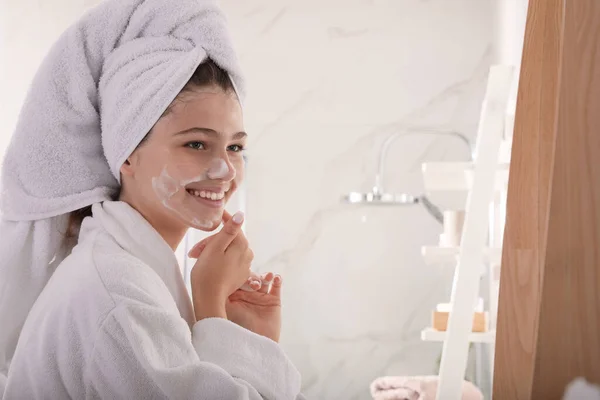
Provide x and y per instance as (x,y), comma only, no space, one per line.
(549,309)
(528,196)
(569,337)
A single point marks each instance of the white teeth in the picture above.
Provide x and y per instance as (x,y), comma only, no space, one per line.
(208,195)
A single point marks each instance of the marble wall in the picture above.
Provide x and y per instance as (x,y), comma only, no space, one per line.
(329,80)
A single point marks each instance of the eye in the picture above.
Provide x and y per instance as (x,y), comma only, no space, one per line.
(236,148)
(195,145)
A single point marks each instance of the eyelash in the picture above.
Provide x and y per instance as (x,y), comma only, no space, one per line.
(190,145)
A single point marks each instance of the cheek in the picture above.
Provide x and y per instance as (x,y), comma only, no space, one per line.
(184,166)
(150,173)
(165,173)
(240,170)
(163,185)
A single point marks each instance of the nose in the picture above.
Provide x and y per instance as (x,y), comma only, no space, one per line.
(221,168)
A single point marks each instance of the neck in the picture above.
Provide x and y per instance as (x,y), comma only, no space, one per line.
(173,236)
(172,233)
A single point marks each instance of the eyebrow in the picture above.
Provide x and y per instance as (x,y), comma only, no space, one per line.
(211,132)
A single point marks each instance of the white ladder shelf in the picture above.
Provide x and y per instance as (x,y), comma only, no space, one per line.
(473,250)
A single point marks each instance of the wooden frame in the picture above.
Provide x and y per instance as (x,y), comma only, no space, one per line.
(548,330)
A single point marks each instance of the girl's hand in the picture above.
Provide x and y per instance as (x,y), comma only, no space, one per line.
(258,311)
(254,281)
(222,267)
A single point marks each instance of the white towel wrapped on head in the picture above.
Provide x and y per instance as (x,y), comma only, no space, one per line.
(98,92)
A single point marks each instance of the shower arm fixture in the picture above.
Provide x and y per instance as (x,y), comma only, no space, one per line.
(378,188)
(378,196)
(431,208)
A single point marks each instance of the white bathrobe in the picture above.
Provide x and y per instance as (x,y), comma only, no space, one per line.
(116,322)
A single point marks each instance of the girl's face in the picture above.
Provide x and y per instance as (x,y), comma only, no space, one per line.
(191,163)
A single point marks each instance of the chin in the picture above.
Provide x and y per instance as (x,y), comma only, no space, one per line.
(216,222)
(205,216)
(211,229)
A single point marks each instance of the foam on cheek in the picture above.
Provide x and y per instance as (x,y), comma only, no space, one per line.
(196,179)
(165,188)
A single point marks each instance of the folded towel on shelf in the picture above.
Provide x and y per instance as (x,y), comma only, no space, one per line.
(416,388)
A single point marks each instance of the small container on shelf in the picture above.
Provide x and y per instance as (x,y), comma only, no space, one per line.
(453,227)
(440,321)
(441,316)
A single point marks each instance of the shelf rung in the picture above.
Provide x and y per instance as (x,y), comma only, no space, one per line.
(448,255)
(431,335)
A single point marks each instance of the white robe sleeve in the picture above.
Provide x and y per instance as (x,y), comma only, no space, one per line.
(146,352)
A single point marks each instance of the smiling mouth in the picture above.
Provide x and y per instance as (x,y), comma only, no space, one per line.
(207,195)
(209,198)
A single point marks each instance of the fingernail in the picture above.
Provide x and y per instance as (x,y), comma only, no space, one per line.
(277,279)
(238,217)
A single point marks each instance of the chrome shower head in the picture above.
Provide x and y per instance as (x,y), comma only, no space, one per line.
(383,199)
(375,198)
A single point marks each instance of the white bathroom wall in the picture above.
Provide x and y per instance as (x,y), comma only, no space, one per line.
(328,81)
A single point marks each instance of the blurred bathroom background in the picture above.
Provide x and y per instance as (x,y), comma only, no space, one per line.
(329,81)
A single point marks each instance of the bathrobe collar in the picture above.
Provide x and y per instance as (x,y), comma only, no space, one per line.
(137,237)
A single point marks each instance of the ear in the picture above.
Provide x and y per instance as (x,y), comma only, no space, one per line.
(129,166)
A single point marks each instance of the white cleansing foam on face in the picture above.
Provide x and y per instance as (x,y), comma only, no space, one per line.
(218,169)
(165,187)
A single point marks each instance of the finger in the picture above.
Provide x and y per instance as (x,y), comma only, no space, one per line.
(199,247)
(243,281)
(238,249)
(228,233)
(254,276)
(276,286)
(197,250)
(252,284)
(248,258)
(266,283)
(226,218)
